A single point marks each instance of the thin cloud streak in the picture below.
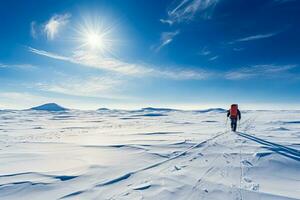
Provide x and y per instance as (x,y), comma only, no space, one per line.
(213,58)
(96,87)
(143,70)
(266,71)
(166,21)
(185,10)
(204,52)
(23,66)
(48,54)
(255,37)
(185,74)
(88,59)
(166,38)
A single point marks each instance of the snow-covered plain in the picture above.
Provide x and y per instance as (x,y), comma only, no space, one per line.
(149,154)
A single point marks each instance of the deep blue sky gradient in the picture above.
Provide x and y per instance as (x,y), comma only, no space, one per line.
(268,60)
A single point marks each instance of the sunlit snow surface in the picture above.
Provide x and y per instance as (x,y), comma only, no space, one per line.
(149,154)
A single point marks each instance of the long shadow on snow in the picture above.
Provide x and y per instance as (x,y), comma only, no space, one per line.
(277,148)
(61,178)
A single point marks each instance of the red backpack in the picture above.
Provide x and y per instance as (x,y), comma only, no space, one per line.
(234,111)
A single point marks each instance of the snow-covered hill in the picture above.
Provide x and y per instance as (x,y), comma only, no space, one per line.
(150,154)
(49,107)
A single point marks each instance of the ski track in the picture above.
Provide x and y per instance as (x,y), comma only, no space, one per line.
(129,174)
(277,148)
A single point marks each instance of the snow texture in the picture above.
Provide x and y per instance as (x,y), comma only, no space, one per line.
(148,154)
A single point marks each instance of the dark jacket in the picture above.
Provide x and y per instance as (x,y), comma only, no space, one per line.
(238,115)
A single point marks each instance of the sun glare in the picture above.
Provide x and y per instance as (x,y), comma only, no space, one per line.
(95,41)
(96,37)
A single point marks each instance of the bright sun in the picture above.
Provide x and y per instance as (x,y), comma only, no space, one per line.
(96,37)
(95,40)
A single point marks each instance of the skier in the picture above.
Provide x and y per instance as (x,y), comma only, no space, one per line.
(235,115)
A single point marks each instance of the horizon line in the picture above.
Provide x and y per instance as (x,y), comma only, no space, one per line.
(182,107)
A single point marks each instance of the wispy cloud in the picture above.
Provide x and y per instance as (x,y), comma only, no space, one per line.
(23,66)
(165,39)
(175,73)
(181,11)
(208,54)
(268,71)
(109,64)
(33,29)
(255,37)
(185,10)
(97,86)
(54,24)
(238,49)
(88,59)
(204,52)
(213,58)
(48,54)
(166,21)
(12,100)
(185,74)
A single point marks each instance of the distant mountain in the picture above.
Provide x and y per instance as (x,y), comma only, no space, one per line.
(151,115)
(219,110)
(150,109)
(103,109)
(49,107)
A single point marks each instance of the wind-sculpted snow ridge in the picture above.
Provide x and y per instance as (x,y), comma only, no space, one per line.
(180,155)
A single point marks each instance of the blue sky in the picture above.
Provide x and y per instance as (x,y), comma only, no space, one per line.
(129,54)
